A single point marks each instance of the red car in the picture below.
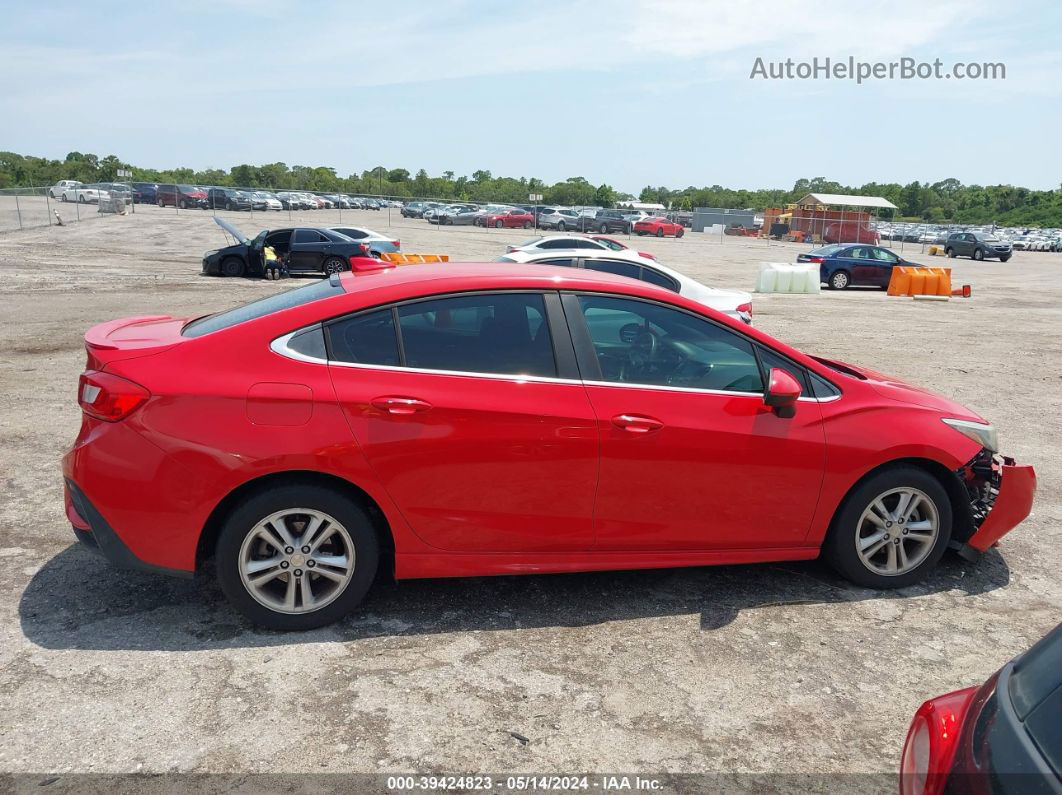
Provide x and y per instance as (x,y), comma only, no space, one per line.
(658,226)
(1002,738)
(509,219)
(502,419)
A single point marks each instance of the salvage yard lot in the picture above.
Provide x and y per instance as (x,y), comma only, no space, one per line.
(777,668)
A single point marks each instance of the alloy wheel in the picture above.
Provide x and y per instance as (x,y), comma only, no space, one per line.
(897,531)
(296,560)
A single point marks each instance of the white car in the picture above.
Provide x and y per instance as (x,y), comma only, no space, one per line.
(363,235)
(57,190)
(271,201)
(85,194)
(736,303)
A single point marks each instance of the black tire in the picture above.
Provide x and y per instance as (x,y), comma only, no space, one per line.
(1004,258)
(840,280)
(232,266)
(660,231)
(81,199)
(560,226)
(527,224)
(950,252)
(499,224)
(158,202)
(978,254)
(183,204)
(680,232)
(63,198)
(228,206)
(603,228)
(839,548)
(259,505)
(334,265)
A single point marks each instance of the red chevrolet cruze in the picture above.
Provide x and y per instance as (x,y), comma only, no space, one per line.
(472,420)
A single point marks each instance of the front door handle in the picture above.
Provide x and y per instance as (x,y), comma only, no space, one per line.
(394,404)
(636,423)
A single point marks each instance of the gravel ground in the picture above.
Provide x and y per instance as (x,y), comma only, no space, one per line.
(778,669)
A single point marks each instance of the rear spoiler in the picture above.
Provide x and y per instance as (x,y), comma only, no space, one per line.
(98,336)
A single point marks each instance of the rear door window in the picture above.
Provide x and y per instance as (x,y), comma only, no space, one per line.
(367,338)
(628,269)
(659,279)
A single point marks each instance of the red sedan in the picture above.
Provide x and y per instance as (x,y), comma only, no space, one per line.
(498,419)
(507,219)
(659,227)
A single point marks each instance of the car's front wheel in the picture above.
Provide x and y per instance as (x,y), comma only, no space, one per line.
(560,226)
(1004,258)
(232,266)
(498,224)
(978,254)
(660,231)
(891,530)
(950,252)
(296,557)
(840,280)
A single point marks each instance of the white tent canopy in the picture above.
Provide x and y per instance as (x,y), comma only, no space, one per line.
(841,200)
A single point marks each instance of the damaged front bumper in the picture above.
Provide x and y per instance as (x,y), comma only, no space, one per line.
(1001,496)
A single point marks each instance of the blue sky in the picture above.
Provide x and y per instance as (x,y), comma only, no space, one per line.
(629,92)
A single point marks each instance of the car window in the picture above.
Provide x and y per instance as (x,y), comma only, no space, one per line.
(586,243)
(367,338)
(262,307)
(771,360)
(353,234)
(628,269)
(884,255)
(504,333)
(638,342)
(654,276)
(308,236)
(857,253)
(565,262)
(555,244)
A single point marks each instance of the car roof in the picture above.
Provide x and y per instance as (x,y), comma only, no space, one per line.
(626,254)
(456,276)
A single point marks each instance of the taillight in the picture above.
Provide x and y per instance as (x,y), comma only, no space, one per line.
(646,254)
(817,260)
(931,743)
(746,308)
(108,397)
(398,243)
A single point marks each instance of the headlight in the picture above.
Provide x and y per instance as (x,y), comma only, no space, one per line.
(982,433)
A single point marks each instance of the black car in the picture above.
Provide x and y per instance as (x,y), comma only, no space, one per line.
(977,245)
(1000,738)
(228,199)
(145,192)
(414,209)
(606,221)
(300,249)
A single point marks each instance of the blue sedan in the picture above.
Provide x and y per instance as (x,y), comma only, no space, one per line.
(845,264)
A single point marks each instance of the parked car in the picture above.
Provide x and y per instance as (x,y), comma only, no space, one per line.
(117,191)
(293,443)
(842,266)
(182,196)
(977,245)
(658,226)
(596,242)
(145,192)
(267,200)
(414,209)
(735,303)
(560,219)
(82,194)
(302,249)
(228,199)
(615,245)
(607,221)
(1000,738)
(515,218)
(59,188)
(850,232)
(377,243)
(458,216)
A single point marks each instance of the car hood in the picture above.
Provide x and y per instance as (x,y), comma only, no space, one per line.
(895,389)
(232,231)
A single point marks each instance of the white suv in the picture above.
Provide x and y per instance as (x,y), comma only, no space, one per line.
(736,303)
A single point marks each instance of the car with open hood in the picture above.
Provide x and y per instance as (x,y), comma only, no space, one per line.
(299,249)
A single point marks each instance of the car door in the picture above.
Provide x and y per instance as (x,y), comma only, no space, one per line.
(964,245)
(469,409)
(307,250)
(691,457)
(864,267)
(884,261)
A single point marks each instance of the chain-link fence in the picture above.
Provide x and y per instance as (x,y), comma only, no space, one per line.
(27,208)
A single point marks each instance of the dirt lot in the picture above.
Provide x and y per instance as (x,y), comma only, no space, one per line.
(768,669)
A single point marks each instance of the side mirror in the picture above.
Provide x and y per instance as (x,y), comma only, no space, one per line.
(782,393)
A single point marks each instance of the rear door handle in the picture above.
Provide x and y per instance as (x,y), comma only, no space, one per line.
(636,423)
(394,404)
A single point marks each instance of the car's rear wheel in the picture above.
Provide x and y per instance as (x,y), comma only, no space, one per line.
(680,232)
(498,224)
(334,265)
(950,252)
(660,231)
(296,557)
(560,226)
(840,280)
(527,224)
(82,199)
(891,530)
(63,198)
(232,266)
(978,254)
